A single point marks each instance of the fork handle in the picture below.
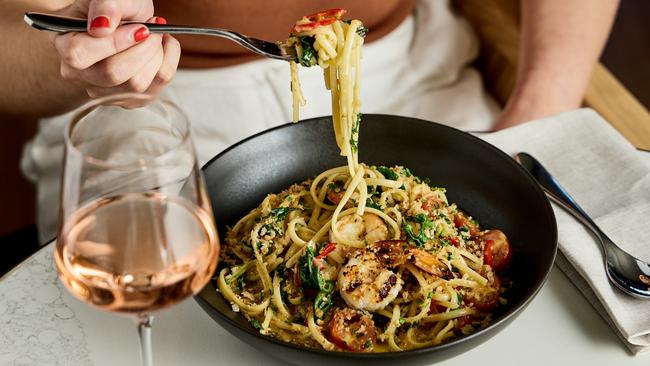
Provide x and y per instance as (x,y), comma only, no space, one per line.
(556,192)
(61,24)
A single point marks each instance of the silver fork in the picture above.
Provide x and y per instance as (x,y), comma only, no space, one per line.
(275,50)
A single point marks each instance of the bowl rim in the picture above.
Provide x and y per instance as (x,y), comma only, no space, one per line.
(505,317)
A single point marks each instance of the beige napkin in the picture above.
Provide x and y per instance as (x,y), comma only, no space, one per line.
(610,179)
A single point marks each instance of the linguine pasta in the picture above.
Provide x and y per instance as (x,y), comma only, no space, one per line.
(336,48)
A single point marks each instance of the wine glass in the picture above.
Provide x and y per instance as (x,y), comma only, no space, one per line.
(136,232)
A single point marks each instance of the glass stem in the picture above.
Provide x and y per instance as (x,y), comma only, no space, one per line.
(144,332)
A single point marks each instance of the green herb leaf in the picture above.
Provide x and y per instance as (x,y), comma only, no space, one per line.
(425,224)
(370,203)
(256,324)
(239,285)
(310,276)
(280,269)
(388,173)
(408,229)
(371,190)
(270,229)
(281,213)
(323,301)
(354,137)
(309,54)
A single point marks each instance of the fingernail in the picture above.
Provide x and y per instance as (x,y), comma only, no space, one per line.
(160,20)
(141,34)
(100,22)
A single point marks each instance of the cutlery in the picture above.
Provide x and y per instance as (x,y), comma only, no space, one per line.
(275,50)
(628,273)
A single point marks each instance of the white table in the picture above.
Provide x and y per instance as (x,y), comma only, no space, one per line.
(42,324)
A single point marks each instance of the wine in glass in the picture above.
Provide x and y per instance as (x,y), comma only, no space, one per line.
(137,232)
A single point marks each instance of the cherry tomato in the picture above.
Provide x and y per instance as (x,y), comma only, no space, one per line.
(316,20)
(497,251)
(430,204)
(334,196)
(462,321)
(331,13)
(304,27)
(351,330)
(327,249)
(436,308)
(460,220)
(296,278)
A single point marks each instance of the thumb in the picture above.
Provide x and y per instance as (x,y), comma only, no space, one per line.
(104,16)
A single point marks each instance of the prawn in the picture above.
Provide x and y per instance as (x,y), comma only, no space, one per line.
(365,282)
(368,227)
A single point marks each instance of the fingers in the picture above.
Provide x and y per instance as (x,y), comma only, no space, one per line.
(138,83)
(172,54)
(80,50)
(150,78)
(104,16)
(128,59)
(118,68)
(113,57)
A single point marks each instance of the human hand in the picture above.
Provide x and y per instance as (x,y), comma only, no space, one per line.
(513,115)
(112,58)
(537,98)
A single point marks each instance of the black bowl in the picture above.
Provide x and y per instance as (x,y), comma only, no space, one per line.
(481,179)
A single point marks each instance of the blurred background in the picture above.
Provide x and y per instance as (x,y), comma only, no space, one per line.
(627,56)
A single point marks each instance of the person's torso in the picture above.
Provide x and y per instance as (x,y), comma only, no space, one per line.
(269,20)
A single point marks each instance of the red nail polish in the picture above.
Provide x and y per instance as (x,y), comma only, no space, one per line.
(160,20)
(141,34)
(100,22)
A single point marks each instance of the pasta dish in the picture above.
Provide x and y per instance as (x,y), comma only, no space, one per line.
(360,258)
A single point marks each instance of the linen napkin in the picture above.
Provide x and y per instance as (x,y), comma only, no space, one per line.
(610,179)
